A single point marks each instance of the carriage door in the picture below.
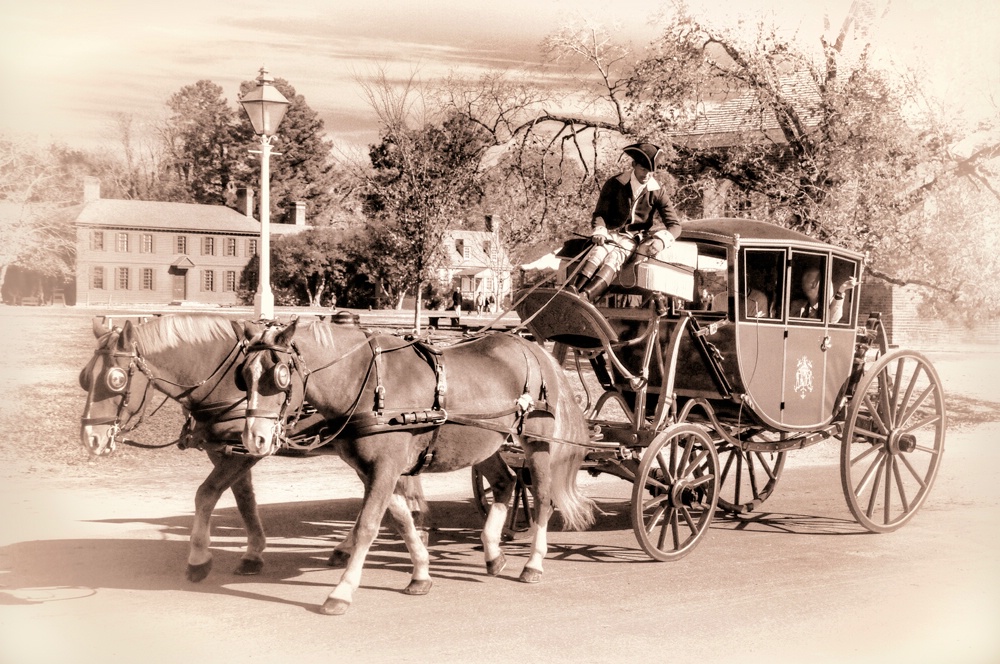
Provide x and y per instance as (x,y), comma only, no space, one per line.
(804,383)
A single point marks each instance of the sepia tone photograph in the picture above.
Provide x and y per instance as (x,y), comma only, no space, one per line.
(550,331)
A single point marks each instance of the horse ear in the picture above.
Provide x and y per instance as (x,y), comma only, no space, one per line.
(284,337)
(250,329)
(237,328)
(101,326)
(128,332)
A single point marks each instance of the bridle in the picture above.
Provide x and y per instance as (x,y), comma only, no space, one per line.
(119,381)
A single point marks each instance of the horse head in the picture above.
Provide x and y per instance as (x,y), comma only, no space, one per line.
(116,388)
(269,378)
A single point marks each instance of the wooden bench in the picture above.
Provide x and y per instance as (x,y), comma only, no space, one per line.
(435,322)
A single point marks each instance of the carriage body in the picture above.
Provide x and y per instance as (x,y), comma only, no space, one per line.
(787,373)
(709,393)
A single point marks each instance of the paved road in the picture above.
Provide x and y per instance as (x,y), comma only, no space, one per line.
(93,572)
(97,577)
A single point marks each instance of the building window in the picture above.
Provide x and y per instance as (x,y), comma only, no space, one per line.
(208,246)
(252,247)
(147,279)
(230,246)
(208,280)
(122,278)
(97,240)
(230,284)
(466,252)
(182,244)
(146,244)
(97,278)
(122,243)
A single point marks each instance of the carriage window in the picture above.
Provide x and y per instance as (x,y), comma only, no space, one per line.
(843,269)
(761,284)
(808,289)
(711,280)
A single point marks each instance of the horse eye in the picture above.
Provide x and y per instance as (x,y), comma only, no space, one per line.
(282,376)
(116,379)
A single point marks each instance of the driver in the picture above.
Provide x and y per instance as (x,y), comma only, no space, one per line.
(632,216)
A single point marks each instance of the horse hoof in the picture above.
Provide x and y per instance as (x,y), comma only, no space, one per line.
(249,567)
(530,575)
(196,573)
(338,559)
(495,566)
(334,607)
(418,587)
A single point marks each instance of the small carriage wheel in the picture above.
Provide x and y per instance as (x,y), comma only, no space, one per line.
(520,514)
(675,492)
(893,440)
(747,478)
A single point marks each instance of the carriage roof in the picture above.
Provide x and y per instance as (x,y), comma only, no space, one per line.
(734,232)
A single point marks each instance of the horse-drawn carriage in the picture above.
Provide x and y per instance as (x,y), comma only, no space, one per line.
(701,395)
(700,401)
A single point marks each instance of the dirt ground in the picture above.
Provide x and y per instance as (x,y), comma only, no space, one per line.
(92,555)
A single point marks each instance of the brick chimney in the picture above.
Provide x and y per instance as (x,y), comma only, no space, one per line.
(91,189)
(299,213)
(244,201)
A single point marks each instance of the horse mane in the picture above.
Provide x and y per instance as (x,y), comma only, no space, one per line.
(168,332)
(323,333)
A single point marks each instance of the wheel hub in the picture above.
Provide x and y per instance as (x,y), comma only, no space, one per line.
(898,442)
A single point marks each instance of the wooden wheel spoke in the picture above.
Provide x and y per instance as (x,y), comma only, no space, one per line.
(869,451)
(912,384)
(734,455)
(896,383)
(686,513)
(873,435)
(655,500)
(873,499)
(665,466)
(933,419)
(913,471)
(886,406)
(685,458)
(768,468)
(665,527)
(875,465)
(873,412)
(752,476)
(911,411)
(675,528)
(697,461)
(701,481)
(900,488)
(887,502)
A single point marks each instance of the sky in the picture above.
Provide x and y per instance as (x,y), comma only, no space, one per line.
(68,66)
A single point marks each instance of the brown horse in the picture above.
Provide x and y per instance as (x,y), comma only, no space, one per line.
(192,359)
(407,408)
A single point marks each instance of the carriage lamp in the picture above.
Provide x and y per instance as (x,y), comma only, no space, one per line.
(265,107)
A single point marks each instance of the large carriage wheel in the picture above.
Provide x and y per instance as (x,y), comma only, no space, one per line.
(675,492)
(520,513)
(747,478)
(893,440)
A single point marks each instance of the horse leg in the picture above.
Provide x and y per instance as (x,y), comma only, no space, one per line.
(378,494)
(502,483)
(538,463)
(420,581)
(252,561)
(342,552)
(412,489)
(226,471)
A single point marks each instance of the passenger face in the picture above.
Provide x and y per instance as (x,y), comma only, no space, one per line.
(810,284)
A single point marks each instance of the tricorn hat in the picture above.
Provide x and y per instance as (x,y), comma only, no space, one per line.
(643,154)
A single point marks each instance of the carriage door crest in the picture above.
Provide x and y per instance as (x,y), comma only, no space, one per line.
(803,377)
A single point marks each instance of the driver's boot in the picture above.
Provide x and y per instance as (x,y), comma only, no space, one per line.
(599,284)
(582,277)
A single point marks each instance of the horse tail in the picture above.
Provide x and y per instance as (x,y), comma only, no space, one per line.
(577,509)
(570,425)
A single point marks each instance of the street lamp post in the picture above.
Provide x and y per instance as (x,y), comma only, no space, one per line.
(265,106)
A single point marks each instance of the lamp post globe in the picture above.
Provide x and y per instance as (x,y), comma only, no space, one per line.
(265,107)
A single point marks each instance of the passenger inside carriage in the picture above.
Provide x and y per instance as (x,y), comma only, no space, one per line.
(807,304)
